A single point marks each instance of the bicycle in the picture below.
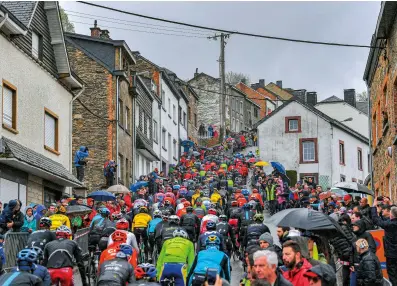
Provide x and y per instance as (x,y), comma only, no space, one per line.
(168,282)
(93,264)
(141,257)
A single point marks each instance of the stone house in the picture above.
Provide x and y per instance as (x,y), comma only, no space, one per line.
(192,131)
(37,86)
(381,78)
(244,112)
(103,116)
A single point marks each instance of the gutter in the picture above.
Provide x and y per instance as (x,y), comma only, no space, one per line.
(371,158)
(71,128)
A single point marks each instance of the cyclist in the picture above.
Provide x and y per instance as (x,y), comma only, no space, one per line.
(159,228)
(139,227)
(122,226)
(183,211)
(116,216)
(24,274)
(59,218)
(100,227)
(227,231)
(191,223)
(41,237)
(255,230)
(146,274)
(152,228)
(212,257)
(110,253)
(244,220)
(168,231)
(167,206)
(211,230)
(211,216)
(199,209)
(176,258)
(116,272)
(58,258)
(216,198)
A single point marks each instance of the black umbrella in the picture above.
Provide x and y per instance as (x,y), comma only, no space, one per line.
(307,219)
(78,209)
(353,187)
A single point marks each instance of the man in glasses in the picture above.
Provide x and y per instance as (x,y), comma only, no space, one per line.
(321,275)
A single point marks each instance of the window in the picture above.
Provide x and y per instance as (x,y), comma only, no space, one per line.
(127,173)
(241,126)
(137,115)
(37,45)
(342,178)
(255,112)
(306,176)
(155,126)
(189,113)
(237,125)
(233,124)
(184,119)
(195,120)
(241,107)
(308,150)
(341,152)
(360,158)
(121,113)
(169,105)
(50,131)
(368,162)
(120,166)
(127,119)
(174,112)
(163,132)
(9,107)
(148,127)
(375,130)
(163,96)
(141,118)
(175,154)
(293,124)
(180,115)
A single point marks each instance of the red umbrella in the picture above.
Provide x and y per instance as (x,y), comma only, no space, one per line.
(251,160)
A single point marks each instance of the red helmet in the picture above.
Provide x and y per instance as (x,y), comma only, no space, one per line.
(255,191)
(234,204)
(169,189)
(183,200)
(63,232)
(212,211)
(119,236)
(238,191)
(186,204)
(122,224)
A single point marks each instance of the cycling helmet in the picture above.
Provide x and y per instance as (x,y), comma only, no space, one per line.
(104,211)
(253,198)
(258,217)
(212,206)
(63,232)
(45,222)
(238,191)
(26,258)
(223,217)
(255,191)
(176,187)
(143,210)
(173,219)
(212,211)
(211,225)
(186,204)
(145,270)
(245,192)
(189,209)
(121,255)
(126,248)
(122,224)
(234,204)
(157,213)
(182,200)
(169,189)
(119,236)
(212,241)
(39,251)
(117,216)
(246,206)
(167,203)
(180,233)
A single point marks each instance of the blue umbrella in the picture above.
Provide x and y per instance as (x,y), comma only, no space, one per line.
(279,168)
(187,143)
(102,196)
(138,185)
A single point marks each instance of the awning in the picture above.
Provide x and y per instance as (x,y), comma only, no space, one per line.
(144,148)
(29,161)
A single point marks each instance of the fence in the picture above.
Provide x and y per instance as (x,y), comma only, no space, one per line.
(14,242)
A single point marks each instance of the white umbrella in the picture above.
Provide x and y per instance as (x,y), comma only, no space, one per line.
(118,189)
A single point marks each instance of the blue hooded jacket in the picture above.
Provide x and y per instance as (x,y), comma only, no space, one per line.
(41,272)
(80,155)
(38,215)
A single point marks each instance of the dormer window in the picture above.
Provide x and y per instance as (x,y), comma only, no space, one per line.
(36,45)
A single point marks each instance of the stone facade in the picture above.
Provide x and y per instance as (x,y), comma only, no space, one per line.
(192,114)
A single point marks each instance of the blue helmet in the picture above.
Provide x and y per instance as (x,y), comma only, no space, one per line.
(245,192)
(211,225)
(121,255)
(104,211)
(28,255)
(212,241)
(126,249)
(176,187)
(145,270)
(246,206)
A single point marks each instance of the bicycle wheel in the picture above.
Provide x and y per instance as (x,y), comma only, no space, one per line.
(89,271)
(154,255)
(141,258)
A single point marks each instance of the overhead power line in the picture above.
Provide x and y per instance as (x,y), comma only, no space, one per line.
(228,31)
(93,113)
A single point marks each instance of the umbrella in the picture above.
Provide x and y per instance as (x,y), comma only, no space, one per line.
(195,153)
(261,164)
(138,185)
(187,143)
(353,187)
(307,219)
(102,196)
(279,168)
(78,209)
(118,189)
(251,160)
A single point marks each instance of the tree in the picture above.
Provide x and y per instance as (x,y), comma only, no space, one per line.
(66,24)
(235,77)
(362,96)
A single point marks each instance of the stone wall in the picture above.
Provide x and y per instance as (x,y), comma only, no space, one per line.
(193,120)
(35,190)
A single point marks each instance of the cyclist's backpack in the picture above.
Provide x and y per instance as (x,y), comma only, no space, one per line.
(223,228)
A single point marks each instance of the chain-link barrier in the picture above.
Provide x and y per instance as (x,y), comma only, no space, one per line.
(14,242)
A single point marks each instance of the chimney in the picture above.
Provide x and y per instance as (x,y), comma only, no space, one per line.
(196,73)
(96,31)
(311,98)
(105,34)
(350,96)
(279,83)
(300,94)
(261,83)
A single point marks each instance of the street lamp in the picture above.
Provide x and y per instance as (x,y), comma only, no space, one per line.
(347,119)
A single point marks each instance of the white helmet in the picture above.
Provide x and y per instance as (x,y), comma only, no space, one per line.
(180,233)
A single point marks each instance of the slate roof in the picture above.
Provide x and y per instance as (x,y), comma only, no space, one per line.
(37,160)
(22,10)
(332,99)
(318,113)
(362,106)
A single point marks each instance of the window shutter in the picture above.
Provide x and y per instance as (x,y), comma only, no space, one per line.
(7,106)
(50,131)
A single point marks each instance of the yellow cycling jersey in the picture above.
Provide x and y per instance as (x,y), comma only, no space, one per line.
(141,220)
(58,220)
(215,198)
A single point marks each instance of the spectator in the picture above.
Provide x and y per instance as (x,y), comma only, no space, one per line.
(109,171)
(368,270)
(39,213)
(51,210)
(30,224)
(2,255)
(386,212)
(348,201)
(365,209)
(12,217)
(265,265)
(266,243)
(321,275)
(389,240)
(80,161)
(359,231)
(296,264)
(210,131)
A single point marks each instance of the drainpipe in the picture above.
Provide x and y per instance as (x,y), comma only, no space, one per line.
(71,127)
(134,152)
(370,139)
(160,124)
(4,20)
(117,128)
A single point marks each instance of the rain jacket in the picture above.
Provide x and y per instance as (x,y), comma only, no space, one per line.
(58,220)
(29,222)
(152,224)
(8,215)
(176,250)
(390,237)
(361,233)
(141,220)
(369,271)
(80,155)
(38,215)
(41,272)
(296,275)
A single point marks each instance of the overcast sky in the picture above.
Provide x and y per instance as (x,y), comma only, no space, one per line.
(327,70)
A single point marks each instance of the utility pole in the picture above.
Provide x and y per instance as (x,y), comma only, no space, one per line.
(222,101)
